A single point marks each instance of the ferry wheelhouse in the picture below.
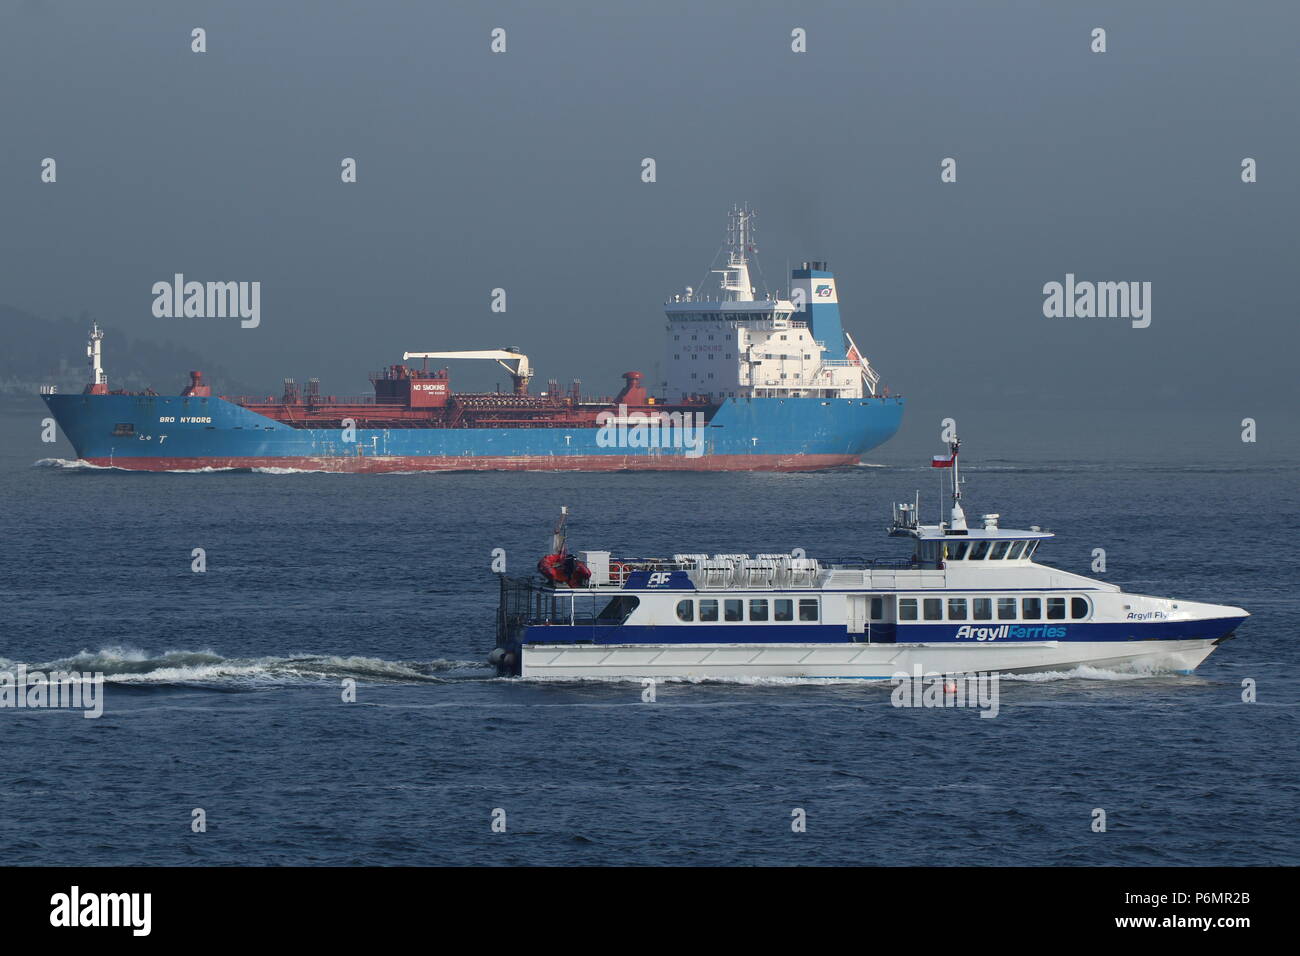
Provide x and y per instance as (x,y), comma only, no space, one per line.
(966,600)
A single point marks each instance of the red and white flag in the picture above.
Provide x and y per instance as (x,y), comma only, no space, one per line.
(942,461)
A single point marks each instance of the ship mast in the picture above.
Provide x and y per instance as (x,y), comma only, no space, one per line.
(735,277)
(98,384)
(958,522)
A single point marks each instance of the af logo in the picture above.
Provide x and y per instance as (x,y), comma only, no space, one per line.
(659,578)
(822,291)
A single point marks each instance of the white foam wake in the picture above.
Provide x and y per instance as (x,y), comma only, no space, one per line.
(127,665)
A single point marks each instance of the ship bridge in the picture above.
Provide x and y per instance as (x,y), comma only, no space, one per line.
(940,545)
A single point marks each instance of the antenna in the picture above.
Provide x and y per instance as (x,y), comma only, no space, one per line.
(558,536)
(735,277)
(958,516)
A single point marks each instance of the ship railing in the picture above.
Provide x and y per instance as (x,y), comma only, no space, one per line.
(530,602)
(620,569)
(868,564)
(304,401)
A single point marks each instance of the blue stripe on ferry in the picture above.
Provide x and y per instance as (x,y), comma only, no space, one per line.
(1082,632)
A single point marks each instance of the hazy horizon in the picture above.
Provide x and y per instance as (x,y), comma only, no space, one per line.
(522,171)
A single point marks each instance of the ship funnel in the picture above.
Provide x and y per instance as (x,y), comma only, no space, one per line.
(817,302)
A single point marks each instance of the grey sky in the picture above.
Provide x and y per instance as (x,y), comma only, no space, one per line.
(522,171)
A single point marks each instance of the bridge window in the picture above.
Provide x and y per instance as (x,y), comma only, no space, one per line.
(932,608)
(1030,548)
(983,608)
(783,609)
(807,609)
(758,609)
(1056,609)
(708,610)
(733,609)
(1016,548)
(956,609)
(1078,607)
(999,550)
(907,609)
(618,610)
(957,550)
(686,610)
(1031,608)
(1006,609)
(979,550)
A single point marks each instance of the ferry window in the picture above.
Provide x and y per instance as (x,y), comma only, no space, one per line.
(1078,607)
(1006,609)
(933,609)
(956,609)
(978,550)
(733,609)
(983,608)
(1015,550)
(783,609)
(1031,608)
(1056,609)
(686,610)
(708,610)
(1030,548)
(999,551)
(907,609)
(618,610)
(877,609)
(807,609)
(957,550)
(758,609)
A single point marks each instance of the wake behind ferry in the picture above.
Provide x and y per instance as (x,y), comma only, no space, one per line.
(771,383)
(967,600)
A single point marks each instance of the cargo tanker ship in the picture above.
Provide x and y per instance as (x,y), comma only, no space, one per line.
(752,383)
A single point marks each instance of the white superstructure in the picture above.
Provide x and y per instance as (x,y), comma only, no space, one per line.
(737,345)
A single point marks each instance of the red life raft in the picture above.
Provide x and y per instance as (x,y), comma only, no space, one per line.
(562,568)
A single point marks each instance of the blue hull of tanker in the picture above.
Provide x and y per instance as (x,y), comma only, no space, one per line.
(166,433)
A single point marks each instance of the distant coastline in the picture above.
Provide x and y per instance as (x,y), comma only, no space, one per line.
(41,351)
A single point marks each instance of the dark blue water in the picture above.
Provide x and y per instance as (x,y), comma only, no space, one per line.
(225,688)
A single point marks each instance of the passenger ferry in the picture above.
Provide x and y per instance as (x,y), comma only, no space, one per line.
(967,600)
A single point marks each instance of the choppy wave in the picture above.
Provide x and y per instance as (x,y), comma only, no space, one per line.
(71,464)
(125,665)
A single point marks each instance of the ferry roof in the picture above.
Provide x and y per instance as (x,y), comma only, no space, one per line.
(944,533)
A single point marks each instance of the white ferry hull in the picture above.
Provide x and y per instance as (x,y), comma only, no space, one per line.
(855,661)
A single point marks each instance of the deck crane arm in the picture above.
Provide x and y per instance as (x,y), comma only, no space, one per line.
(512,360)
